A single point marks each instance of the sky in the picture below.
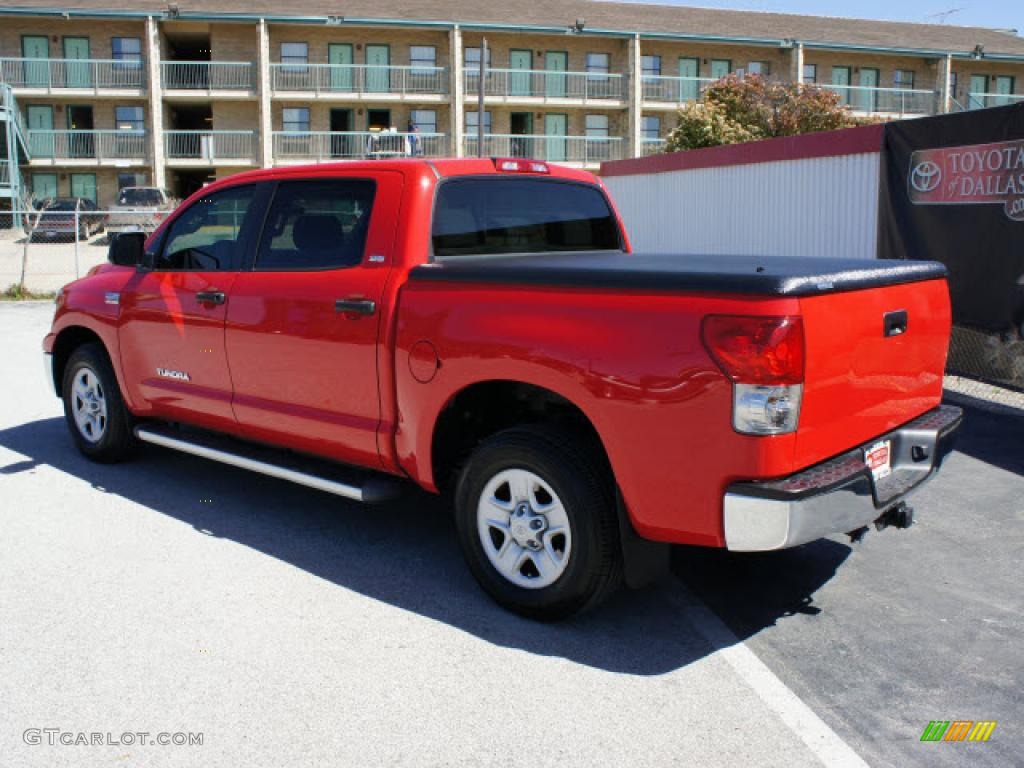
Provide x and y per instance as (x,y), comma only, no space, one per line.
(999,14)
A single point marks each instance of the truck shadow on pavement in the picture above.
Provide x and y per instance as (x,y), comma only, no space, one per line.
(405,554)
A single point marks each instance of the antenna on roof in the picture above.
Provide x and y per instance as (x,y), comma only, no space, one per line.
(943,16)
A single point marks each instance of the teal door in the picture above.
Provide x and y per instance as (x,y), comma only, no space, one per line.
(976,96)
(339,56)
(44,185)
(720,68)
(555,129)
(556,63)
(40,129)
(378,58)
(36,50)
(867,99)
(689,71)
(77,72)
(841,81)
(1004,89)
(519,80)
(84,185)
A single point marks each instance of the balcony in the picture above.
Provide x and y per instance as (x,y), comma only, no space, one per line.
(983,100)
(360,82)
(201,79)
(209,148)
(653,146)
(325,146)
(672,91)
(889,102)
(93,76)
(576,150)
(528,86)
(118,148)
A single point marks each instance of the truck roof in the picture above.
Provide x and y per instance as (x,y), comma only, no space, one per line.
(443,167)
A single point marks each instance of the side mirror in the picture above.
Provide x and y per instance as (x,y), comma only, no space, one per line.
(127,249)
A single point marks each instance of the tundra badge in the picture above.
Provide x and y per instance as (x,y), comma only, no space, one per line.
(168,374)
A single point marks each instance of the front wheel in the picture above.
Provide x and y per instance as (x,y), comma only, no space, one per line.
(535,513)
(100,424)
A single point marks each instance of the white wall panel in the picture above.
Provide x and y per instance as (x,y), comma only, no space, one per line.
(807,207)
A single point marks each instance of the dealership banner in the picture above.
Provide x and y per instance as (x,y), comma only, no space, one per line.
(952,190)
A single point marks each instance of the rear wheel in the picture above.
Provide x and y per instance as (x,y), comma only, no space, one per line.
(535,512)
(93,407)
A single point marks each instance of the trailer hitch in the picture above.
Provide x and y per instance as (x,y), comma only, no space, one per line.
(899,516)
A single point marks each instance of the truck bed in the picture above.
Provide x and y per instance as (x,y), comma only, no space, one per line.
(749,275)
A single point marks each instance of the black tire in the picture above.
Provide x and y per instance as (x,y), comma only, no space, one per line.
(114,440)
(573,468)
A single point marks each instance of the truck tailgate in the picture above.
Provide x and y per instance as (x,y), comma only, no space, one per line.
(859,382)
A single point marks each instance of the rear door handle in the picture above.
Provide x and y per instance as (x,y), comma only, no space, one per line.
(210,297)
(357,306)
(894,323)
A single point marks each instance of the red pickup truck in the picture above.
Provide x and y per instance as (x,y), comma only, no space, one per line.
(481,328)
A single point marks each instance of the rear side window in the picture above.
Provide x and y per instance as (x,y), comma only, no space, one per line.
(517,215)
(316,225)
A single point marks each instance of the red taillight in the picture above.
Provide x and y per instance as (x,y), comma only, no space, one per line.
(757,350)
(519,165)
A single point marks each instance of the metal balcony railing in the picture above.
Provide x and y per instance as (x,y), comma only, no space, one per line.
(358,78)
(653,146)
(983,100)
(320,146)
(210,146)
(74,74)
(556,149)
(87,145)
(539,83)
(886,101)
(675,90)
(5,173)
(207,75)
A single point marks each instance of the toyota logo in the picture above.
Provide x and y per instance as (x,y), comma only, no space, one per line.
(926,176)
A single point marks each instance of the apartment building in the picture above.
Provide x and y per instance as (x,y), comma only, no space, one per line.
(95,96)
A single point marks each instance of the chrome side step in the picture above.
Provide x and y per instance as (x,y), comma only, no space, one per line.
(227,450)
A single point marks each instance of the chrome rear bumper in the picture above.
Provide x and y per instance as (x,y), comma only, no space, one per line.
(838,495)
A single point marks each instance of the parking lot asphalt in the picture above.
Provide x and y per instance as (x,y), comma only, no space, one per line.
(289,627)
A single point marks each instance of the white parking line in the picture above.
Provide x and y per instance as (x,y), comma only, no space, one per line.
(776,695)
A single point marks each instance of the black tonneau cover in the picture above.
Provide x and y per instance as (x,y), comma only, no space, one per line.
(761,276)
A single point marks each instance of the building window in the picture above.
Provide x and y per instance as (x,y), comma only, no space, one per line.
(296,54)
(132,180)
(598,66)
(472,59)
(127,52)
(425,120)
(903,78)
(762,68)
(810,73)
(129,118)
(650,127)
(597,126)
(422,59)
(472,121)
(650,66)
(296,119)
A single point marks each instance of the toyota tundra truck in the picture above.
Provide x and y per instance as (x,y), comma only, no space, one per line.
(481,328)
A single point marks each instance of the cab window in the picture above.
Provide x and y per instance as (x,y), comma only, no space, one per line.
(319,224)
(209,235)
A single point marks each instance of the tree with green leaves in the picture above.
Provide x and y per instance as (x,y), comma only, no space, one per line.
(738,109)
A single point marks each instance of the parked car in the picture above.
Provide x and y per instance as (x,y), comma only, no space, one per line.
(64,218)
(140,209)
(481,328)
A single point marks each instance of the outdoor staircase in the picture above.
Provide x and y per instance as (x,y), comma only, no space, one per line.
(14,152)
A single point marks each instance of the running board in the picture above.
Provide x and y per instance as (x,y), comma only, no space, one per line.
(358,485)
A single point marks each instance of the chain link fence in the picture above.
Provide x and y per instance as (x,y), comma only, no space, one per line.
(997,358)
(49,245)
